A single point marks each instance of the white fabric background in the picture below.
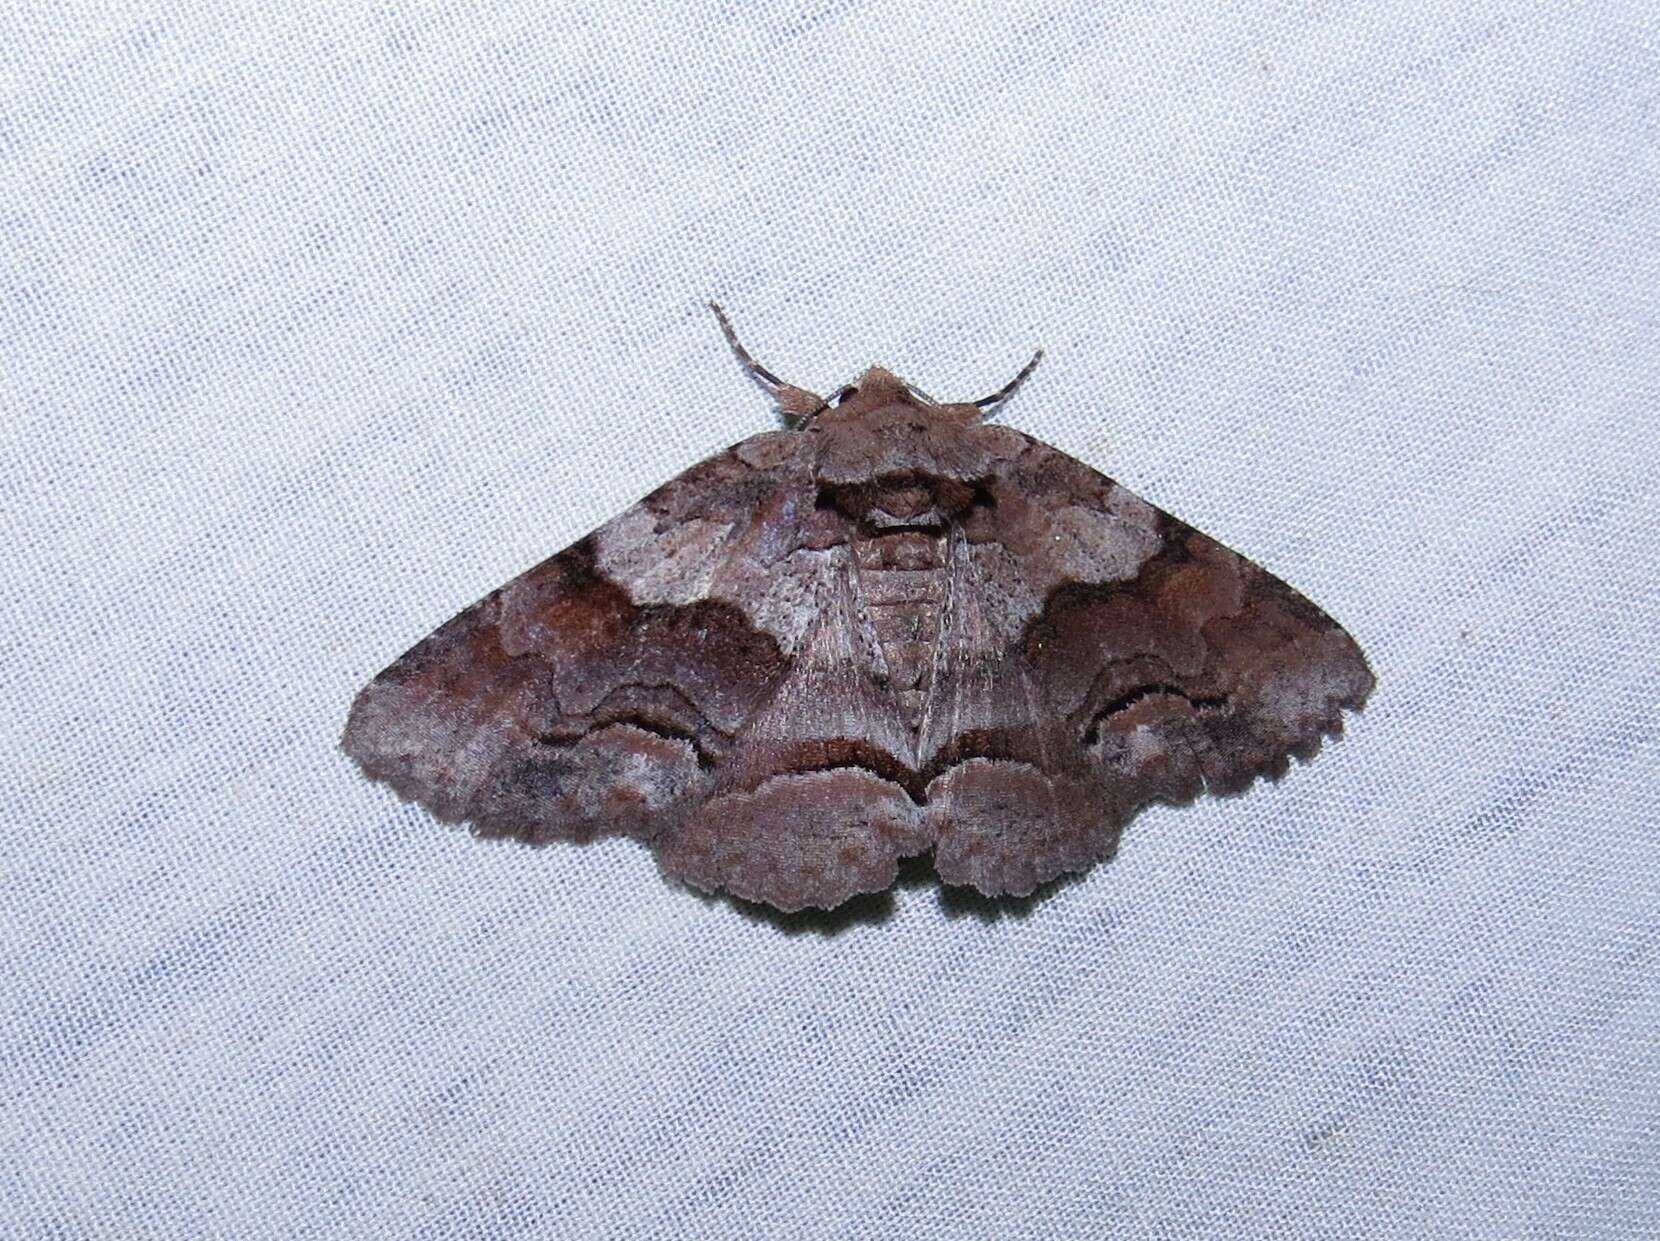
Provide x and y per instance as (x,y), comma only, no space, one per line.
(320,322)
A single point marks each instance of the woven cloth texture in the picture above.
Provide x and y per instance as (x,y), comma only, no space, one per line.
(319,321)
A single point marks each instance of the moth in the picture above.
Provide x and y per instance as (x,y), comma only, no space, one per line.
(893,627)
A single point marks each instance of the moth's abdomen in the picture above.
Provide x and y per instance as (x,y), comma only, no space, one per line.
(901,583)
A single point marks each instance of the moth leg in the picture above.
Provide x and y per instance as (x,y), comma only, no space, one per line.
(797,403)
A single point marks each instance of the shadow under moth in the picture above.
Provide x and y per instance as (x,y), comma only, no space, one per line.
(891,628)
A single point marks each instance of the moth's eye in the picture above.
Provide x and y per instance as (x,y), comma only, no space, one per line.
(844,394)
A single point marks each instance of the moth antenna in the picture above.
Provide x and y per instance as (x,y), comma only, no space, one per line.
(1010,388)
(799,406)
(748,359)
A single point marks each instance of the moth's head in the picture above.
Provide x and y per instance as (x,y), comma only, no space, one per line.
(878,396)
(877,387)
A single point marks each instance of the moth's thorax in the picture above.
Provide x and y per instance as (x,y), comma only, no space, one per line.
(904,499)
(904,474)
(888,433)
